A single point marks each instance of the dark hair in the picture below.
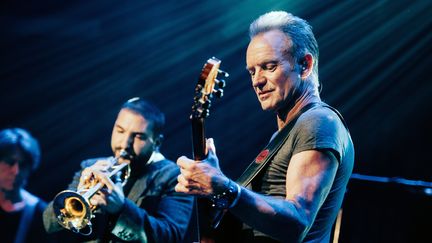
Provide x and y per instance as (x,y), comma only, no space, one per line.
(147,110)
(13,138)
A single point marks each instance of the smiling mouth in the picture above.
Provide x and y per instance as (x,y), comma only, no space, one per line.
(264,94)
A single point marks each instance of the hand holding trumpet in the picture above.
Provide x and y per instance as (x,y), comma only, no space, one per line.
(111,197)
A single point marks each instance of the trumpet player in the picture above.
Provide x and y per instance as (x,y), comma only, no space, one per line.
(140,205)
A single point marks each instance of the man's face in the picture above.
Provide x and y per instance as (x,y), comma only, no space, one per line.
(273,77)
(13,172)
(134,134)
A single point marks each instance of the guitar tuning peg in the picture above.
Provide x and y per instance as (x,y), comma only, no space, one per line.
(198,87)
(206,105)
(225,74)
(204,113)
(221,83)
(218,92)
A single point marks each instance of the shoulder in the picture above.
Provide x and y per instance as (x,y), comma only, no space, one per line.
(320,128)
(31,199)
(164,173)
(320,115)
(164,170)
(320,119)
(165,166)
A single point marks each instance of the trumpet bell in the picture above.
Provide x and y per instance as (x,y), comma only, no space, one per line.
(73,211)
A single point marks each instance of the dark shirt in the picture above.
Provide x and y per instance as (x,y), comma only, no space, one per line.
(319,128)
(10,222)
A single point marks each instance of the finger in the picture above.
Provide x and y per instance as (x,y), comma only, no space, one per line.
(85,174)
(184,162)
(102,162)
(103,178)
(188,190)
(180,178)
(210,146)
(186,173)
(181,188)
(185,182)
(212,158)
(98,199)
(101,165)
(85,178)
(191,185)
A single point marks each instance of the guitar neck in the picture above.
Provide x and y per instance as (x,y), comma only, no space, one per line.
(198,139)
(207,86)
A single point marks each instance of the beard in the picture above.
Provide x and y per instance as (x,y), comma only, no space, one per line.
(139,162)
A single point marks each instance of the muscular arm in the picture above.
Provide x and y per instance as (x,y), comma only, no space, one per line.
(309,178)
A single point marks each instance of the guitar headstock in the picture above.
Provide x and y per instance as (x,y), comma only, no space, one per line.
(208,86)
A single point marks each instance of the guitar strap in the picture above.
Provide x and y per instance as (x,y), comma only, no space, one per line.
(26,218)
(270,150)
(261,161)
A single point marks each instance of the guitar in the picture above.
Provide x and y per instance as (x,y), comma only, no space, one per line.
(207,87)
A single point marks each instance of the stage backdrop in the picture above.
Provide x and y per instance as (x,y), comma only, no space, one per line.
(67,66)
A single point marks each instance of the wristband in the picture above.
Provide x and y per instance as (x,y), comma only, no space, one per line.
(228,198)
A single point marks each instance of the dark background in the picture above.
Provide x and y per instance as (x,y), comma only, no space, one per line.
(67,66)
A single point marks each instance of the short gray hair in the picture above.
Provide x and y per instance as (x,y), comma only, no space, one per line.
(297,29)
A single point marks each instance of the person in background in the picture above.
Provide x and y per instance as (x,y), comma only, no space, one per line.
(20,211)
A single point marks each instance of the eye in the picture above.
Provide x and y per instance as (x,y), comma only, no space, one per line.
(251,72)
(119,129)
(270,66)
(141,136)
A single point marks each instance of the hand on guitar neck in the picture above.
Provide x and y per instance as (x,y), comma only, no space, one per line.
(203,178)
(201,175)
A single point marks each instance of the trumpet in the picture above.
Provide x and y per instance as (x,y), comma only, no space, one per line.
(73,209)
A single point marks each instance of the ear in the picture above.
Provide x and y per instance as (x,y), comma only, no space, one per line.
(306,66)
(158,142)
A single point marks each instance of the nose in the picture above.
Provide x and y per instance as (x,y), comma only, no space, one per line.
(258,79)
(126,142)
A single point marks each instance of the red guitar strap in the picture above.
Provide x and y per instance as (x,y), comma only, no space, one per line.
(270,150)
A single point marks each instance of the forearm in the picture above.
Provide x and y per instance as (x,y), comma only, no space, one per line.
(168,224)
(276,217)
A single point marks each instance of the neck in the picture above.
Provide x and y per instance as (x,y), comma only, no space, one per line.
(288,112)
(11,201)
(139,166)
